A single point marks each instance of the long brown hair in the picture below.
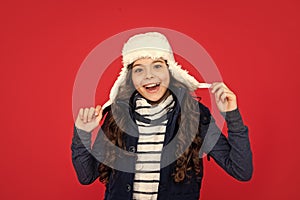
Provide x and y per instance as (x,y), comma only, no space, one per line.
(187,162)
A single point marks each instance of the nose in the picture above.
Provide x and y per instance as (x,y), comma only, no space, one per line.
(149,74)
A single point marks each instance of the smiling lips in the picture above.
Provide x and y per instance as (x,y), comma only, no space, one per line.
(152,87)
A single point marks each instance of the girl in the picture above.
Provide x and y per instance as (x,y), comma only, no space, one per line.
(154,134)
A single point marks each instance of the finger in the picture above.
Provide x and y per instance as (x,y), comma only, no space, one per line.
(215,83)
(98,110)
(100,113)
(212,87)
(224,85)
(218,93)
(81,114)
(215,86)
(231,96)
(99,117)
(224,97)
(216,98)
(90,115)
(85,115)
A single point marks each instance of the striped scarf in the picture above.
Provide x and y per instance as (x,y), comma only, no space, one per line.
(151,121)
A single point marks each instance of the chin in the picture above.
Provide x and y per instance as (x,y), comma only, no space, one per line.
(153,99)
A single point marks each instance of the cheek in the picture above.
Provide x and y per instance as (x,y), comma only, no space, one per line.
(136,82)
(165,79)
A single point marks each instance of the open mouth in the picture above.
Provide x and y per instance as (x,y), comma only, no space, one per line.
(152,87)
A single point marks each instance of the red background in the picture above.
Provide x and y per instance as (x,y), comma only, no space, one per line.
(255,45)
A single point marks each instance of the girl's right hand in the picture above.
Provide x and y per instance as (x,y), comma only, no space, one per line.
(88,118)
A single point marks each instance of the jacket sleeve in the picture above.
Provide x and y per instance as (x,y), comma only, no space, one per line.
(233,154)
(85,164)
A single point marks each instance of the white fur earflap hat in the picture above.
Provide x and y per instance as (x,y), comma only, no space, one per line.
(152,45)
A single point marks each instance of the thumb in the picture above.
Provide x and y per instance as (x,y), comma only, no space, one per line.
(98,113)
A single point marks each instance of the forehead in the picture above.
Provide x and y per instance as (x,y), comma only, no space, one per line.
(148,60)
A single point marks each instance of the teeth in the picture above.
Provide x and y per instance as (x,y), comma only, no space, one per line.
(151,85)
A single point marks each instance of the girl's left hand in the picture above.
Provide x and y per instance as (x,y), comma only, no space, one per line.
(225,98)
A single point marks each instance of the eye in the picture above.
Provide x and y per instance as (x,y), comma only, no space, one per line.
(157,66)
(137,70)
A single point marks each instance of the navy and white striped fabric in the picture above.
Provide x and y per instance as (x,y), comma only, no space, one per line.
(151,121)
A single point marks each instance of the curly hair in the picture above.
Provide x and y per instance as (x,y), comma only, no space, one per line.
(189,141)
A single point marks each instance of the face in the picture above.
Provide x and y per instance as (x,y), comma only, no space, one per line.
(151,78)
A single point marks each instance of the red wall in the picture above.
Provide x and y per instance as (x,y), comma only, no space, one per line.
(255,45)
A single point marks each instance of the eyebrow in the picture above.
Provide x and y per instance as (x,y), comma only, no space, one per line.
(155,61)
